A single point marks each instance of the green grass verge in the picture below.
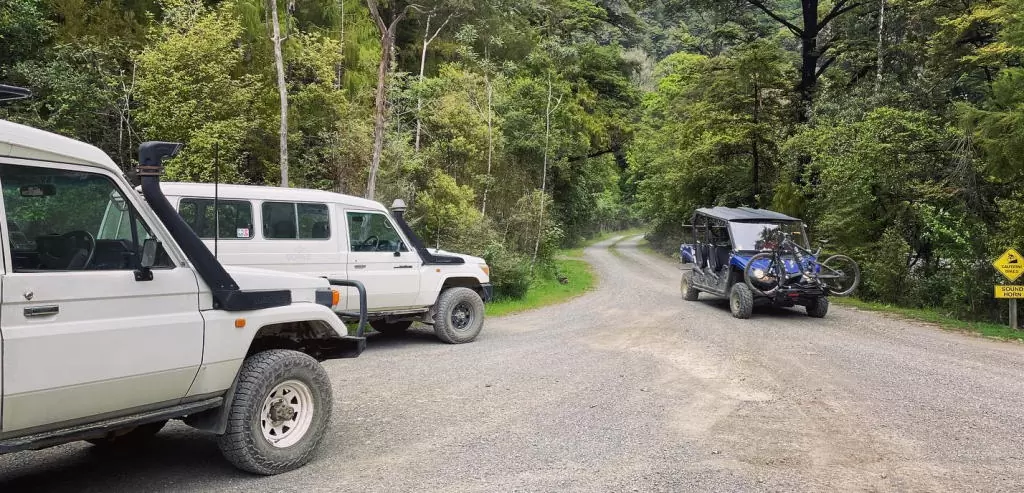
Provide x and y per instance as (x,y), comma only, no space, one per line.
(995,331)
(545,291)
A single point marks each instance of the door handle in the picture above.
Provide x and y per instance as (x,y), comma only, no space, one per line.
(42,311)
(360,266)
(403,266)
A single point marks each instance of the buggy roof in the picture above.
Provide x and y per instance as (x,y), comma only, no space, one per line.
(744,214)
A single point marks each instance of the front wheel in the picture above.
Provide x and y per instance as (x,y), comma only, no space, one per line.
(689,292)
(460,315)
(817,307)
(840,275)
(741,301)
(281,408)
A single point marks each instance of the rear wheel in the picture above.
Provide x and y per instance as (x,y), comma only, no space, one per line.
(460,315)
(689,292)
(391,327)
(817,308)
(840,275)
(741,301)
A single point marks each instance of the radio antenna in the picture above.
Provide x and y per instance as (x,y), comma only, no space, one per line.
(216,196)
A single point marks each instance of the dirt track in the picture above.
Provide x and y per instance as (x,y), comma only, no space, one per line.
(629,388)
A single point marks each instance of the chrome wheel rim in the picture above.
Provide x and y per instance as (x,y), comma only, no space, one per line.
(287,413)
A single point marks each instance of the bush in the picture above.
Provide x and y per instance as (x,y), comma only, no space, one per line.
(510,272)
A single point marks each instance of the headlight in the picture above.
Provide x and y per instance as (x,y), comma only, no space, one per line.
(486,268)
(758,274)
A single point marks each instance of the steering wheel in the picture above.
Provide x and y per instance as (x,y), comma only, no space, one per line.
(375,241)
(80,260)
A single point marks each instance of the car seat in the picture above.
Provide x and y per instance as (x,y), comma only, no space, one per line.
(284,229)
(705,255)
(320,230)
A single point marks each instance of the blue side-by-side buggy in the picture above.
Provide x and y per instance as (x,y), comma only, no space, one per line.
(756,256)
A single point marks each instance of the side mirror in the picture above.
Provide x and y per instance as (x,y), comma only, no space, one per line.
(398,248)
(149,249)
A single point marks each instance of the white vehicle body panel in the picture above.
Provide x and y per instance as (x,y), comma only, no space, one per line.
(226,344)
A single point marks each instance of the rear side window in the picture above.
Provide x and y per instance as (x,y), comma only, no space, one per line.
(235,218)
(296,221)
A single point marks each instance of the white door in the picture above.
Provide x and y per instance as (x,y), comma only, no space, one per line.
(82,337)
(382,261)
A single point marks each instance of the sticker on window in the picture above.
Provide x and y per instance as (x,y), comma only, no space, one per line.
(242,233)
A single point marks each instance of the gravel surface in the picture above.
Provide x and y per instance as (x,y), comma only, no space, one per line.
(629,388)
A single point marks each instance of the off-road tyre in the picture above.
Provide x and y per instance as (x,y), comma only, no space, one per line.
(460,315)
(741,301)
(391,328)
(689,292)
(137,436)
(244,443)
(817,307)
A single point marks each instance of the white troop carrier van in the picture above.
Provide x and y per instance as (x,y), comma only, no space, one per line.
(338,236)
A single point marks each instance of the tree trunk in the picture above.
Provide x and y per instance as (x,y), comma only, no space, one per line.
(380,107)
(427,39)
(544,176)
(809,57)
(341,47)
(881,37)
(754,146)
(419,97)
(490,141)
(387,43)
(282,90)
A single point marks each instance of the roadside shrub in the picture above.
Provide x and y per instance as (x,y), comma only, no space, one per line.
(510,272)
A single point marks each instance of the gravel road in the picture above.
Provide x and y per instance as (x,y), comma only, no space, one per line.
(629,388)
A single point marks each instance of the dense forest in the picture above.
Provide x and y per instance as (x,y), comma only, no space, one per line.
(893,127)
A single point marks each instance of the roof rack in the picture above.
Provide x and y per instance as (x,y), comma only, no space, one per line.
(11,93)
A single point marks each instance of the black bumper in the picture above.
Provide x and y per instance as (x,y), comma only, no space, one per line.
(487,291)
(797,295)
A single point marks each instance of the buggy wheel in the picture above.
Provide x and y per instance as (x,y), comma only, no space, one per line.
(741,301)
(817,308)
(753,281)
(689,292)
(840,275)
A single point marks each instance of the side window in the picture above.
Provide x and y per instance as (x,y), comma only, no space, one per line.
(373,232)
(62,220)
(292,221)
(235,217)
(314,221)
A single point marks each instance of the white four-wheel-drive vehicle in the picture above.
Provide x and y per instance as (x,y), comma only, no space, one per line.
(114,323)
(338,236)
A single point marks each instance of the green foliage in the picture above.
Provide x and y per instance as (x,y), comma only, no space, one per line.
(711,129)
(192,88)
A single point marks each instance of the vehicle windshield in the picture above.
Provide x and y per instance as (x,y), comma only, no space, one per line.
(763,236)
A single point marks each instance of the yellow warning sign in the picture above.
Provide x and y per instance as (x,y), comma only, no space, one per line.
(1010,264)
(1010,292)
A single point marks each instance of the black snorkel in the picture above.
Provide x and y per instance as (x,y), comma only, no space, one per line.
(398,212)
(226,293)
